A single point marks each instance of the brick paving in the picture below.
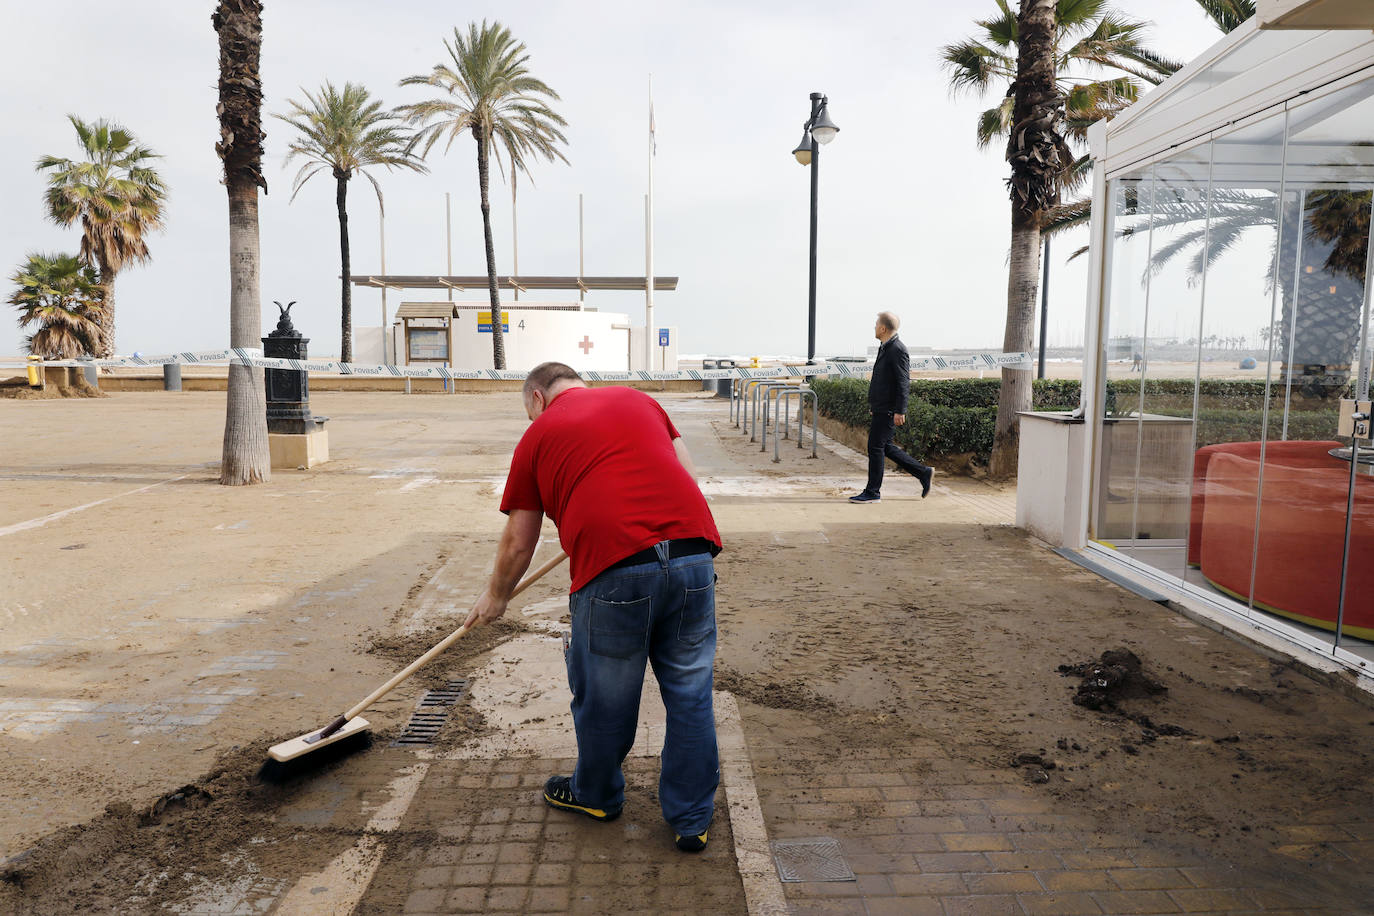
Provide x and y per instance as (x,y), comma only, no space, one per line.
(478,838)
(928,834)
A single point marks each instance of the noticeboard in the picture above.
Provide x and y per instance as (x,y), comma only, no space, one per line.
(428,344)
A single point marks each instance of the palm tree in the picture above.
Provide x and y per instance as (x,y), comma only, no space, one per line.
(65,298)
(1090,38)
(488,91)
(118,197)
(1039,158)
(1035,53)
(346,132)
(239,26)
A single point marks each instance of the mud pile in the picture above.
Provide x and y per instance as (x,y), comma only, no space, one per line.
(1117,675)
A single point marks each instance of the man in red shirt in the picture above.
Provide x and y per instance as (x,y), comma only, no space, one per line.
(612,472)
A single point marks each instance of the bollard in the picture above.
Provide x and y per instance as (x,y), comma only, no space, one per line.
(171,376)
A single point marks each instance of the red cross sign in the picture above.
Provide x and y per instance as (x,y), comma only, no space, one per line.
(586,345)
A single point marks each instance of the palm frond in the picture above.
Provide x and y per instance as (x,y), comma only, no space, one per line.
(1227,15)
(488,91)
(347,131)
(114,192)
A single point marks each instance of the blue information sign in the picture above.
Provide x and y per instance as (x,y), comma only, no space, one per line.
(663,337)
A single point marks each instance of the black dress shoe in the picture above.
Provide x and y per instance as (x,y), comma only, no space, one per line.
(865,497)
(924,475)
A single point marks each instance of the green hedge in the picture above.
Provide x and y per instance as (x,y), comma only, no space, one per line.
(1047,394)
(1215,427)
(958,416)
(943,417)
(1167,395)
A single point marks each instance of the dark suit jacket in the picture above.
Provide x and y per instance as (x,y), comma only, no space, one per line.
(891,379)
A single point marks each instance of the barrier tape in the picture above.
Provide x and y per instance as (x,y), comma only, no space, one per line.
(250,356)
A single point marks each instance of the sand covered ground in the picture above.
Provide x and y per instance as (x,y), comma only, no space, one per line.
(158,632)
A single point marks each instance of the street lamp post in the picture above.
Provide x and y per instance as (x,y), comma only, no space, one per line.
(816,132)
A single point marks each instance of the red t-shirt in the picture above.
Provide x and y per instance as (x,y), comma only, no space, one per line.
(600,462)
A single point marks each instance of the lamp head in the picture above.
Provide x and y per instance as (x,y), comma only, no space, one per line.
(822,128)
(803,150)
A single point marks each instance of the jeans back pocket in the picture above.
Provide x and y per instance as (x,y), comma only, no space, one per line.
(619,629)
(698,614)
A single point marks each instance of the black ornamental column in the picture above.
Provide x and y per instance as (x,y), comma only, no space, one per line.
(288,390)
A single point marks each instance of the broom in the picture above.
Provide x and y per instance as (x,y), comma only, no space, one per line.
(349,732)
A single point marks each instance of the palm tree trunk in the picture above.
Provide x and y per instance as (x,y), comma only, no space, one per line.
(239,23)
(104,346)
(498,342)
(1037,154)
(1018,337)
(246,459)
(346,291)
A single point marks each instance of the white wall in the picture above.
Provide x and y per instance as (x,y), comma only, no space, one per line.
(536,336)
(367,346)
(664,358)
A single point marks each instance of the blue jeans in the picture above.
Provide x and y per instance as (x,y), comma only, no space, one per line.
(663,613)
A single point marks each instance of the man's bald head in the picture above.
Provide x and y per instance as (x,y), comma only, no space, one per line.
(545,382)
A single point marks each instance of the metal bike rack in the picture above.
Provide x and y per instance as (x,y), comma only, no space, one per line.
(737,400)
(748,400)
(760,394)
(773,391)
(781,413)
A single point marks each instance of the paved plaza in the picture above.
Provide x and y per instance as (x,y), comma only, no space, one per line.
(895,736)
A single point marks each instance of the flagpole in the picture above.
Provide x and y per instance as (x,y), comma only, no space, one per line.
(649,244)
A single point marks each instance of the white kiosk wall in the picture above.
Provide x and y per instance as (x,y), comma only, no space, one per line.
(583,340)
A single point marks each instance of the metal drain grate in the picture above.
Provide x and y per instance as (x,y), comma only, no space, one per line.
(430,714)
(448,695)
(812,859)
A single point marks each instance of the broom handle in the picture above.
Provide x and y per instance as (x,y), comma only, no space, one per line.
(447,641)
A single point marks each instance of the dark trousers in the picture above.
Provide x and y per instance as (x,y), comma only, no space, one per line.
(880,447)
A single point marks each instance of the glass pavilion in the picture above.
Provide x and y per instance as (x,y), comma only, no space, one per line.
(1228,316)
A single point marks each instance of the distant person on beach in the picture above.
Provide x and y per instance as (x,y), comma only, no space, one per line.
(888,388)
(612,472)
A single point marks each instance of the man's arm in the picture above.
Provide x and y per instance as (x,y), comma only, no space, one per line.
(684,456)
(513,555)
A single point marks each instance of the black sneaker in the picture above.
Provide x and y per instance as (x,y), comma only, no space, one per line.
(691,843)
(924,475)
(558,794)
(865,497)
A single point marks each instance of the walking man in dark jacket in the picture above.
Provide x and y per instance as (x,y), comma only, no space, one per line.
(887,397)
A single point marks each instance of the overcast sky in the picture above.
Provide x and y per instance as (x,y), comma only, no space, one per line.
(913,217)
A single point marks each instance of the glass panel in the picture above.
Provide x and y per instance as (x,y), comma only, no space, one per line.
(1262,49)
(1113,518)
(1170,363)
(1321,284)
(1237,257)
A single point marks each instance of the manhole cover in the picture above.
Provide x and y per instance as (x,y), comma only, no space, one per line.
(813,859)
